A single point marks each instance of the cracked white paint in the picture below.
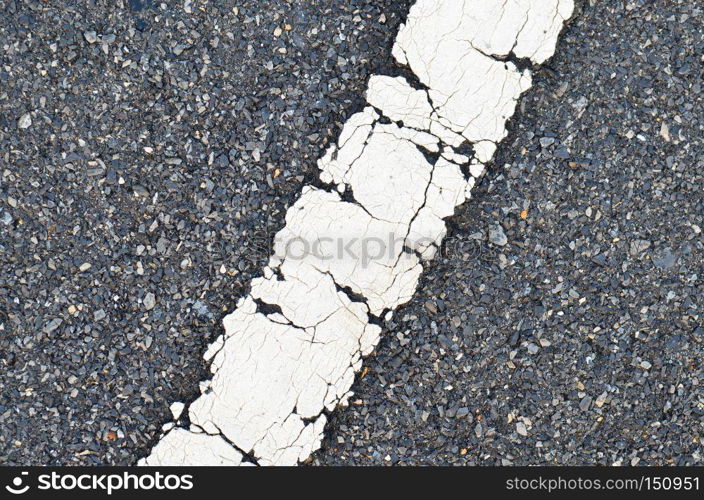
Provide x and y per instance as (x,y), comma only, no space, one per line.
(400,102)
(321,217)
(400,167)
(182,447)
(526,28)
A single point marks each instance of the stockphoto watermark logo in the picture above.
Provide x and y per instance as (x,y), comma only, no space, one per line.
(106,483)
(18,485)
(348,248)
(366,251)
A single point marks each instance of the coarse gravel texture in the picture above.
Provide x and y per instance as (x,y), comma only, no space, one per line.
(148,152)
(563,325)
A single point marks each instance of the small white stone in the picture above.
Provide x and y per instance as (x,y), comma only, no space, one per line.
(177,409)
(90,36)
(25,121)
(149,301)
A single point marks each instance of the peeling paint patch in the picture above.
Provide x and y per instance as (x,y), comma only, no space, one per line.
(353,253)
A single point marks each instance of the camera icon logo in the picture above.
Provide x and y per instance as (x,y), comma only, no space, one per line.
(16,488)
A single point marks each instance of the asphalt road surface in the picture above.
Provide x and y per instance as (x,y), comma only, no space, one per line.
(148,153)
(166,142)
(579,339)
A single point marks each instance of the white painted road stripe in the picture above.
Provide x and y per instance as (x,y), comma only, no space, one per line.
(352,252)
